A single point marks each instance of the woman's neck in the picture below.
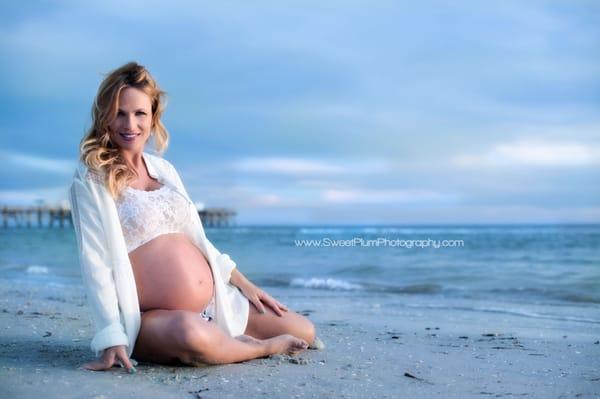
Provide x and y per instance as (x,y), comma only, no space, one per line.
(134,160)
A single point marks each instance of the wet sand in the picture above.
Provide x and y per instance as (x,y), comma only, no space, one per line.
(374,348)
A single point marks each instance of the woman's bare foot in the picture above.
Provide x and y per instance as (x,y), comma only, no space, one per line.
(285,344)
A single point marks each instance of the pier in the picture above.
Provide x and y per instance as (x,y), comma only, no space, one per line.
(217,217)
(59,216)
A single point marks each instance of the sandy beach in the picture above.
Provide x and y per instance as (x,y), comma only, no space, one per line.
(374,348)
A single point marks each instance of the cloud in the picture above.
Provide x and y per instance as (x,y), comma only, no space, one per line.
(36,162)
(286,166)
(310,167)
(532,152)
(267,200)
(48,196)
(41,62)
(366,196)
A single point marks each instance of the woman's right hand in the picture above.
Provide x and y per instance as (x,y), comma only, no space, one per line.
(110,357)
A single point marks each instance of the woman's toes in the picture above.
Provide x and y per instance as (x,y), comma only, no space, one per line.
(286,344)
(296,345)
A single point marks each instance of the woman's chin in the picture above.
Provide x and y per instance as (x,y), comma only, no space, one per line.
(136,145)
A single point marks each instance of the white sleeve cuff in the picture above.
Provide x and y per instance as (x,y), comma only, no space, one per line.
(112,335)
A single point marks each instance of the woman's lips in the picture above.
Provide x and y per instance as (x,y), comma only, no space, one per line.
(129,136)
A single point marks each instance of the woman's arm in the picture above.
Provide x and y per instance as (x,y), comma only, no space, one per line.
(255,295)
(96,271)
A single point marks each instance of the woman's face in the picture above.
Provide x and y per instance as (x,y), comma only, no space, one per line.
(132,126)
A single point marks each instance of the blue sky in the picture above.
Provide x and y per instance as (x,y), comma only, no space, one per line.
(340,112)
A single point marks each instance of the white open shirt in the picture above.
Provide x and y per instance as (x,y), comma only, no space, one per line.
(106,270)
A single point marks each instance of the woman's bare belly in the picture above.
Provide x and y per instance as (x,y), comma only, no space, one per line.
(171,273)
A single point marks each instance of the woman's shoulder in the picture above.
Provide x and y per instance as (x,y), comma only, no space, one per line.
(84,173)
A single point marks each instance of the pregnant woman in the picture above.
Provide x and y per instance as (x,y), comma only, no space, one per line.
(158,289)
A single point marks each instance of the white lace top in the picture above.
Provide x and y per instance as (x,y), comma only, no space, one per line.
(145,215)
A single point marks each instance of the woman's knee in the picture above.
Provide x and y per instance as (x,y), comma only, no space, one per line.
(303,328)
(308,329)
(188,333)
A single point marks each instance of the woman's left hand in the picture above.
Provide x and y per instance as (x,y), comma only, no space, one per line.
(259,297)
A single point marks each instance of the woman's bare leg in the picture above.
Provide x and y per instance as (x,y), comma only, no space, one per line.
(209,344)
(168,336)
(268,324)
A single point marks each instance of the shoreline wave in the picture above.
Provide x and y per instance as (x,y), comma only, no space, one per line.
(337,284)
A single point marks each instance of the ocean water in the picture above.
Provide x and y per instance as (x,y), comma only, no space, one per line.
(517,267)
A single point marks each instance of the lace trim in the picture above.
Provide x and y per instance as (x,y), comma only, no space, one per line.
(145,191)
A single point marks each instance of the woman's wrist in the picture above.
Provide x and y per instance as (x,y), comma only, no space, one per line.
(237,278)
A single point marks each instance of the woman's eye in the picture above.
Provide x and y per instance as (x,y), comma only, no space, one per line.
(141,113)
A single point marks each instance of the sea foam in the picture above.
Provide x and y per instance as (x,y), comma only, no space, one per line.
(325,283)
(36,269)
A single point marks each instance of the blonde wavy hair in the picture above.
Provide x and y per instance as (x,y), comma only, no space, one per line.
(97,151)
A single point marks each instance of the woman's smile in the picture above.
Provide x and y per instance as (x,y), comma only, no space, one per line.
(129,136)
